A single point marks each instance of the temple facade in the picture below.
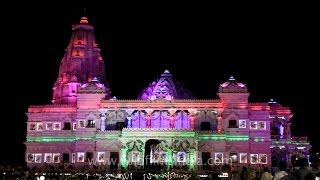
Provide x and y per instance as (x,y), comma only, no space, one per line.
(165,125)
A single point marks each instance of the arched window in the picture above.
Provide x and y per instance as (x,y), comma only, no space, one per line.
(181,120)
(160,119)
(138,119)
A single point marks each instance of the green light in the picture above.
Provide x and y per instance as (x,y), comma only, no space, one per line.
(169,158)
(290,142)
(192,159)
(259,139)
(215,137)
(123,159)
(159,133)
(223,137)
(66,139)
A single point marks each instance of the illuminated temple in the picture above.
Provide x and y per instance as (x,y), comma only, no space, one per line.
(85,123)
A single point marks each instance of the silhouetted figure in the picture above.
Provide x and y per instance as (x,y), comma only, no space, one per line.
(244,173)
(266,174)
(303,173)
(282,172)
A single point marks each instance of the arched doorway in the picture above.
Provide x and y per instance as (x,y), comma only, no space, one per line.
(205,126)
(150,146)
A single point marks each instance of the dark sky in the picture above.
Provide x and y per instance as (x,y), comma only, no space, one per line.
(273,53)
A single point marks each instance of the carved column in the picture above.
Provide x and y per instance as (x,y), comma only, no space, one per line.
(103,119)
(129,121)
(148,117)
(192,117)
(129,112)
(219,122)
(172,112)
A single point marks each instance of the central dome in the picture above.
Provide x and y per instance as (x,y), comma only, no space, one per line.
(165,87)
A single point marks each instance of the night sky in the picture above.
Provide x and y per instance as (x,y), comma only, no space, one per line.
(273,53)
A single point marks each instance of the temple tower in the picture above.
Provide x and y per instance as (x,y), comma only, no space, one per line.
(233,93)
(81,63)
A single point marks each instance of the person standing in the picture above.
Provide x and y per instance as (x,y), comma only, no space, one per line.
(282,172)
(266,174)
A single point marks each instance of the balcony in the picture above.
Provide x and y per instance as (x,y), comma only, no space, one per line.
(293,138)
(302,140)
(299,138)
(278,137)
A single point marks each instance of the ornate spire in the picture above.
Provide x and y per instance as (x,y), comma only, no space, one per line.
(82,57)
(81,62)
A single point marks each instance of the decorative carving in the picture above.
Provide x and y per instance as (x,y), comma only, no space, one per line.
(232,86)
(165,88)
(93,87)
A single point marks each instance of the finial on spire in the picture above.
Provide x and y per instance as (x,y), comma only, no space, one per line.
(166,73)
(95,80)
(231,78)
(272,101)
(84,20)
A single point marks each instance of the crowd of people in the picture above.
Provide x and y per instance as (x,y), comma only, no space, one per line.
(301,171)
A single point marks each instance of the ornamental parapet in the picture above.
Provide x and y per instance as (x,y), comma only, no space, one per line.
(63,133)
(142,104)
(222,137)
(259,106)
(111,134)
(292,140)
(52,108)
(173,100)
(210,132)
(157,132)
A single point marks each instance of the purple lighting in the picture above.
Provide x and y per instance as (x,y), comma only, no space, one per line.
(165,87)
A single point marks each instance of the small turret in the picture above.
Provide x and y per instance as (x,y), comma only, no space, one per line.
(233,92)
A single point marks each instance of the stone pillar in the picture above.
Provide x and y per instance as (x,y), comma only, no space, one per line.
(219,123)
(124,158)
(103,119)
(148,117)
(192,117)
(129,112)
(129,121)
(192,122)
(172,111)
(172,121)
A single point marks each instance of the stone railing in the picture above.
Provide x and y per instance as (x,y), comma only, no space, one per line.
(301,138)
(293,138)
